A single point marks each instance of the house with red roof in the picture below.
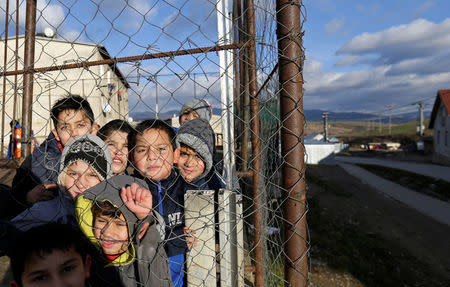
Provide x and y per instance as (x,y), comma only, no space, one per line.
(440,123)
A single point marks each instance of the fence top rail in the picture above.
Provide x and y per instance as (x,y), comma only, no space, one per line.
(84,64)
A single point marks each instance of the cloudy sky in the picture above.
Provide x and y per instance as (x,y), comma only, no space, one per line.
(360,55)
(365,55)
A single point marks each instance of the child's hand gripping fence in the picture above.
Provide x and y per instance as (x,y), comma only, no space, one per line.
(137,60)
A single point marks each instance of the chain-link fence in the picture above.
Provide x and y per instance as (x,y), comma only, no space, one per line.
(140,60)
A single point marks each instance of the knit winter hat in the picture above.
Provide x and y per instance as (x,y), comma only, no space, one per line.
(201,107)
(90,149)
(198,135)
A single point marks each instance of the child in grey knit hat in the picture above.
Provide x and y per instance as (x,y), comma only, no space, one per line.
(196,144)
(195,109)
(196,149)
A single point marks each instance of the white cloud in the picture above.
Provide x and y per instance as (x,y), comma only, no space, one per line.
(48,15)
(418,39)
(334,25)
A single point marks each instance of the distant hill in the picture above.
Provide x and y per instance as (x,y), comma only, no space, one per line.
(311,116)
(316,116)
(139,116)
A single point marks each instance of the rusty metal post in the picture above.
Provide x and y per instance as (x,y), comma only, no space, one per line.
(256,145)
(5,55)
(290,58)
(27,101)
(243,58)
(16,61)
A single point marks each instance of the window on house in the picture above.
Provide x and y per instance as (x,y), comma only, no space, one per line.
(446,138)
(438,137)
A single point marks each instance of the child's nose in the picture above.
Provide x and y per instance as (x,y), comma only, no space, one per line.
(153,154)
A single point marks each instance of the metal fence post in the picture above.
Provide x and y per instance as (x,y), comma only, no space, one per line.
(256,144)
(5,55)
(27,101)
(290,57)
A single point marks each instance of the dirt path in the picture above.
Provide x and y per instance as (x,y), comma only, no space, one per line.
(378,240)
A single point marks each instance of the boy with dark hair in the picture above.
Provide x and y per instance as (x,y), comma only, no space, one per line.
(36,178)
(51,255)
(115,135)
(153,155)
(194,139)
(117,217)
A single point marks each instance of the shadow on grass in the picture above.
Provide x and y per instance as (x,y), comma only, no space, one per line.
(346,245)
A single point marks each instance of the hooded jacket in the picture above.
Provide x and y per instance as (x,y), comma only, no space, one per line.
(170,192)
(145,261)
(45,160)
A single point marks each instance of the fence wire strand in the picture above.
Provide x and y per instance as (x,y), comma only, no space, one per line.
(138,60)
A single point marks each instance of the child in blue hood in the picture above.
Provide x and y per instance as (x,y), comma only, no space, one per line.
(153,155)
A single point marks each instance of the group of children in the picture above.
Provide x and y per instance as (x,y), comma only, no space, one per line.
(122,186)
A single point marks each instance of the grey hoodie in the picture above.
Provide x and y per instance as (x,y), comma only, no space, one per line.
(145,262)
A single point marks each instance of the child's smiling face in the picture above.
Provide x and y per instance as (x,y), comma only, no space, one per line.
(118,146)
(112,234)
(80,177)
(190,164)
(153,155)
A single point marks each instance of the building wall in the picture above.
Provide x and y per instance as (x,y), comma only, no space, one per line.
(48,87)
(441,136)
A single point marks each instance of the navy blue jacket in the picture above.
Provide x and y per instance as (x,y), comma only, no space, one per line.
(45,160)
(212,181)
(170,192)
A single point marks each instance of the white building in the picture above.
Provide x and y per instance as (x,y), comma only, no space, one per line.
(104,86)
(440,123)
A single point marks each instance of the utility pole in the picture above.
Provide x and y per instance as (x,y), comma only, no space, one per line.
(156,96)
(379,123)
(421,120)
(325,126)
(390,117)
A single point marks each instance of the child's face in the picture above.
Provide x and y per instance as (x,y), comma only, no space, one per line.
(112,234)
(188,115)
(72,123)
(59,268)
(190,164)
(153,155)
(79,177)
(118,146)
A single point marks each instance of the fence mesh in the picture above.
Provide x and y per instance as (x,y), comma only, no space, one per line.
(138,60)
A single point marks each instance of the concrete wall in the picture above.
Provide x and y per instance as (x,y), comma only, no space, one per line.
(319,153)
(90,83)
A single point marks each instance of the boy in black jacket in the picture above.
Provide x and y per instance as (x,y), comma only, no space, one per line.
(36,178)
(153,155)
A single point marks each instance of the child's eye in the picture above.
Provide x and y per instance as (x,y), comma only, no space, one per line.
(93,175)
(63,128)
(40,278)
(72,174)
(69,268)
(81,125)
(141,150)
